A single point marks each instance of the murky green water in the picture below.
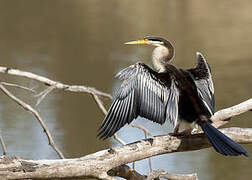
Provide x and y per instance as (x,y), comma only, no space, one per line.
(81,42)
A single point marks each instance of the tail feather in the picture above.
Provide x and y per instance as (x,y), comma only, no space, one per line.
(219,145)
(221,142)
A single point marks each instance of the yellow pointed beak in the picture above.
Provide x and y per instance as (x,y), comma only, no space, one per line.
(143,41)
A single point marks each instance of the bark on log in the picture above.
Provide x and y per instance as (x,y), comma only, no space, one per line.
(96,165)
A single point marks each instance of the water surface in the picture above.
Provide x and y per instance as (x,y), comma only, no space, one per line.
(81,42)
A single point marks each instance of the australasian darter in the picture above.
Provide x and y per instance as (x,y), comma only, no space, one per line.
(167,94)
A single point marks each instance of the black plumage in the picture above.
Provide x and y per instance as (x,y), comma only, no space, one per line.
(143,92)
(167,95)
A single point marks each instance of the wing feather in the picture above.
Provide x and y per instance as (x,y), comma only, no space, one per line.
(120,115)
(144,93)
(203,80)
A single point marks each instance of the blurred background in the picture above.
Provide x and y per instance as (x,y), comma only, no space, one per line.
(81,42)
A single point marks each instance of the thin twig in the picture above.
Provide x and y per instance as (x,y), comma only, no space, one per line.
(44,93)
(36,114)
(146,135)
(49,82)
(134,165)
(18,86)
(119,140)
(3,145)
(146,131)
(99,103)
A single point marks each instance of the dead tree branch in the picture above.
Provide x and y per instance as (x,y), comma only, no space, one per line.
(37,116)
(49,82)
(222,117)
(98,164)
(3,144)
(52,85)
(44,93)
(99,103)
(18,86)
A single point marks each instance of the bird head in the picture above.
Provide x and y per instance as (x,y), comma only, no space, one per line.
(151,40)
(162,54)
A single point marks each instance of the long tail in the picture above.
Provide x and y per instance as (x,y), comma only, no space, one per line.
(221,142)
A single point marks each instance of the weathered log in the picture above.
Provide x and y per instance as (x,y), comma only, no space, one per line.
(98,164)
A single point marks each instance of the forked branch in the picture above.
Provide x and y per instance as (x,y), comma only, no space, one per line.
(36,114)
(49,82)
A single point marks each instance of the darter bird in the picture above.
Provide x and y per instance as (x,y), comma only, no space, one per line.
(183,97)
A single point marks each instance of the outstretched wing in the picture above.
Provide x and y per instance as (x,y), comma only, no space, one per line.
(203,80)
(143,92)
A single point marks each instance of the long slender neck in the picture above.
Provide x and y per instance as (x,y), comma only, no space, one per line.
(161,56)
(171,49)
